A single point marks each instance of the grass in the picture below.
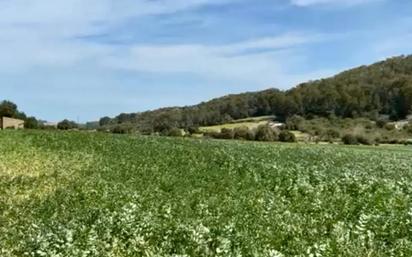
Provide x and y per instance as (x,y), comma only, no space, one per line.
(80,194)
(218,128)
(250,123)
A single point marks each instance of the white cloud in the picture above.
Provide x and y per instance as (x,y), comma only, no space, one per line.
(39,34)
(304,3)
(44,32)
(260,62)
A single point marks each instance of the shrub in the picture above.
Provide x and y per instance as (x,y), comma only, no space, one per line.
(287,136)
(175,132)
(295,122)
(390,127)
(381,123)
(266,133)
(333,133)
(364,140)
(66,125)
(193,130)
(408,127)
(212,134)
(226,133)
(350,139)
(121,129)
(243,133)
(408,142)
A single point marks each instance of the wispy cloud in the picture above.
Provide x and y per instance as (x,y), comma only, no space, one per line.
(152,53)
(259,61)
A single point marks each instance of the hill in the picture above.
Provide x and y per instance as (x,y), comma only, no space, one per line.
(383,89)
(93,194)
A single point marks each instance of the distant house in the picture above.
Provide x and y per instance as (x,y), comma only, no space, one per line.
(6,123)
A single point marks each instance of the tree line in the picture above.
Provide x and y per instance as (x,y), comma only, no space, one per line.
(383,89)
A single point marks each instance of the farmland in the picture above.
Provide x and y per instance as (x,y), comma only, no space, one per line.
(92,194)
(251,123)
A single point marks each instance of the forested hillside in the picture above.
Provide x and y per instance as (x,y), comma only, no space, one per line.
(384,88)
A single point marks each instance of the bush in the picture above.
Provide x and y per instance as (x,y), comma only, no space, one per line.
(243,133)
(212,134)
(175,132)
(408,127)
(350,139)
(390,127)
(381,123)
(66,125)
(333,133)
(226,133)
(193,130)
(364,140)
(287,136)
(408,142)
(266,133)
(121,129)
(295,122)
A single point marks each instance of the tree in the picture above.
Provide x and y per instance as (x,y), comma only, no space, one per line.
(8,109)
(31,123)
(287,136)
(266,133)
(66,125)
(104,121)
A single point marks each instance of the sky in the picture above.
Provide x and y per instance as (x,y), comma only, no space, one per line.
(83,60)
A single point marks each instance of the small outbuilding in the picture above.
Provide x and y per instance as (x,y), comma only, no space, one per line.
(10,123)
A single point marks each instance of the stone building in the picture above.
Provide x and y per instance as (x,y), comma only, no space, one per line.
(10,123)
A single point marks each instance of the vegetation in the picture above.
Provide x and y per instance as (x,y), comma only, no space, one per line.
(66,125)
(381,90)
(92,194)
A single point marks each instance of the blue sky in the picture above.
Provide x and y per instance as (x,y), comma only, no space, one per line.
(86,59)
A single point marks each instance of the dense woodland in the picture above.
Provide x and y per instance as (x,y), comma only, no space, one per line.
(380,90)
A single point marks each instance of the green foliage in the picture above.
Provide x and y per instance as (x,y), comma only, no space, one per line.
(295,122)
(408,127)
(10,109)
(350,139)
(243,133)
(98,195)
(287,136)
(266,133)
(175,132)
(381,89)
(31,123)
(364,140)
(104,121)
(226,133)
(66,125)
(381,123)
(121,129)
(333,133)
(390,126)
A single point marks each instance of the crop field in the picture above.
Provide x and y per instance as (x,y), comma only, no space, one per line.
(90,194)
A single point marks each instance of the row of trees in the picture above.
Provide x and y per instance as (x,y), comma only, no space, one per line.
(382,89)
(10,109)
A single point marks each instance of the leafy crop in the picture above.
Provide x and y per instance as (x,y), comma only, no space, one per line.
(84,194)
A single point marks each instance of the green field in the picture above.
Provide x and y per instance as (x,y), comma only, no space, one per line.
(90,194)
(251,123)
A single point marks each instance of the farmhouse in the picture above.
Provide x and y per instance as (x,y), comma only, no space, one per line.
(6,123)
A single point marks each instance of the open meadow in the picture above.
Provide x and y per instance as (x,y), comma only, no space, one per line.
(91,194)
